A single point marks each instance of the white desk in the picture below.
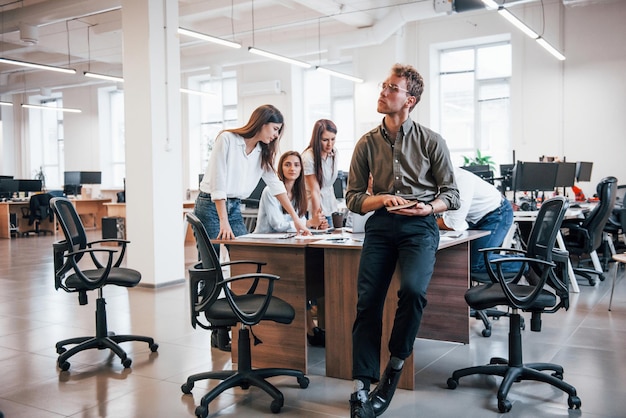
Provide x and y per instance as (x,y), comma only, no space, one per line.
(530,216)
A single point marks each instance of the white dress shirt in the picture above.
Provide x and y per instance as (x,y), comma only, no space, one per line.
(231,173)
(478,198)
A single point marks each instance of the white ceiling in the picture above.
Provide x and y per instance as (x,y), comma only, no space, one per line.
(87,34)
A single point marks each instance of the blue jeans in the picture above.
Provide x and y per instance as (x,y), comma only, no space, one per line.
(410,242)
(498,222)
(206,211)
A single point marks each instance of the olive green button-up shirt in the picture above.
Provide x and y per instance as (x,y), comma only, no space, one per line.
(416,166)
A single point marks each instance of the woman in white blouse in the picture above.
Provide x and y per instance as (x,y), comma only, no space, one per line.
(272,217)
(241,157)
(321,168)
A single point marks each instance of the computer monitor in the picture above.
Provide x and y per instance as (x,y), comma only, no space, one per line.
(7,188)
(72,189)
(506,175)
(6,177)
(482,171)
(90,177)
(29,185)
(71,177)
(565,174)
(534,176)
(583,170)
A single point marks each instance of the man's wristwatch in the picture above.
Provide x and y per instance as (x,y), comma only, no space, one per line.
(432,208)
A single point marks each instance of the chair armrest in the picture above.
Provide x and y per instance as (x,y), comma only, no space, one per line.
(254,317)
(90,283)
(259,265)
(203,290)
(120,258)
(527,301)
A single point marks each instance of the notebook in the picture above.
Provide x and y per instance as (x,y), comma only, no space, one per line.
(358,222)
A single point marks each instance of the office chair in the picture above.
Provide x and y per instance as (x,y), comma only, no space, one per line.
(613,229)
(206,282)
(585,237)
(38,209)
(549,294)
(71,277)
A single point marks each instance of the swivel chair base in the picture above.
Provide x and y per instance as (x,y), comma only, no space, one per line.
(101,341)
(514,370)
(243,377)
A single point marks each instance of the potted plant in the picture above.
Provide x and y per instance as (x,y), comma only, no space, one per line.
(479,159)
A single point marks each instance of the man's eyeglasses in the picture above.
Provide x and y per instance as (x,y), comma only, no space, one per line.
(393,88)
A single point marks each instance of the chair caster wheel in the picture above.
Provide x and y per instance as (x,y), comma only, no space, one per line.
(65,366)
(154,347)
(303,382)
(127,362)
(452,383)
(186,388)
(486,333)
(574,402)
(244,385)
(504,405)
(202,411)
(276,406)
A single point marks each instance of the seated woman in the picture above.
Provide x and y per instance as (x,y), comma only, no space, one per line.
(273,218)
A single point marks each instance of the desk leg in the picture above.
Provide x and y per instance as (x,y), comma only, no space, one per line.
(570,269)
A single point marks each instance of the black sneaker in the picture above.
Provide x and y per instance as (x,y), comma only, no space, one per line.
(360,406)
(318,339)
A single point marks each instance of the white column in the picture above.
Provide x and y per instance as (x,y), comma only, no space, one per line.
(154,192)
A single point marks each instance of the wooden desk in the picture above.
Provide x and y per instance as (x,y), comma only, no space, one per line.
(295,261)
(446,316)
(92,210)
(8,208)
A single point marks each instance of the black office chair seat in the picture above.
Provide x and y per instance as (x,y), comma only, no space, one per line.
(119,277)
(221,313)
(490,295)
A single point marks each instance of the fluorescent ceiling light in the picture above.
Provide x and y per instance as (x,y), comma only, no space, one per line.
(37,66)
(197,92)
(208,38)
(277,57)
(103,77)
(338,74)
(550,49)
(517,23)
(58,109)
(490,4)
(6,103)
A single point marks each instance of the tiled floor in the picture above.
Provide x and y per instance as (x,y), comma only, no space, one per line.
(587,340)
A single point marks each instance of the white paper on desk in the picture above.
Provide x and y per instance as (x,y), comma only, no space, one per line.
(280,235)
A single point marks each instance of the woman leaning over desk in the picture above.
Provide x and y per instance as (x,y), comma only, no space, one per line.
(321,169)
(241,157)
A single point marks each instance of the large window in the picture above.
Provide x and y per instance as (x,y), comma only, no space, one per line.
(216,111)
(46,142)
(475,101)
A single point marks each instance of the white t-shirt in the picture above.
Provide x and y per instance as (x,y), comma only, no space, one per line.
(231,173)
(330,169)
(478,198)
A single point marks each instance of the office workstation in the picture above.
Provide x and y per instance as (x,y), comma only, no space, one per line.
(544,120)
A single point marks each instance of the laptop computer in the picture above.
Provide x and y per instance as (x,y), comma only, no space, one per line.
(358,222)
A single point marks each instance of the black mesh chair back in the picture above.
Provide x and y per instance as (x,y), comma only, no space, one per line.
(596,220)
